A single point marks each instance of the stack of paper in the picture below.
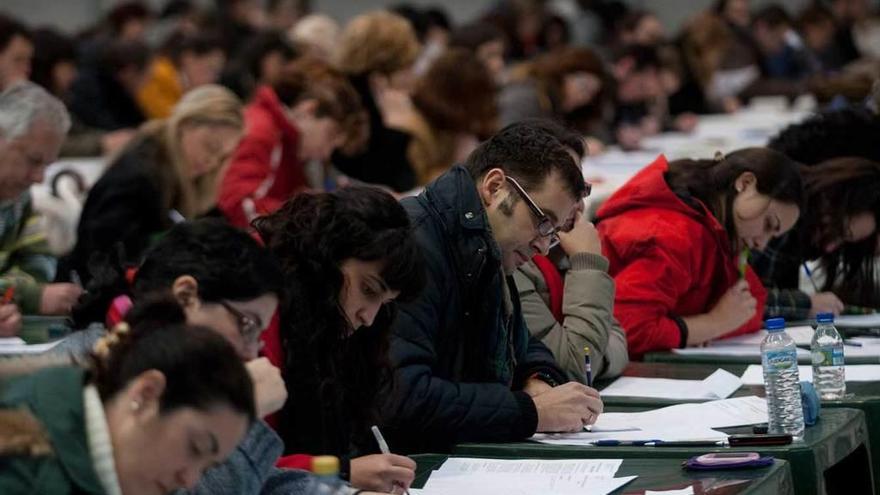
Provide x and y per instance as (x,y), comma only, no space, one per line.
(802,336)
(858,321)
(695,421)
(463,476)
(754,374)
(11,346)
(719,385)
(730,350)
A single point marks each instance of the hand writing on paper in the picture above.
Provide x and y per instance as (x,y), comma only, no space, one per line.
(825,302)
(735,307)
(382,472)
(10,320)
(567,407)
(270,393)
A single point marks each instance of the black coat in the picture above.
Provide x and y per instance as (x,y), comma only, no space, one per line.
(384,161)
(125,206)
(459,360)
(98,100)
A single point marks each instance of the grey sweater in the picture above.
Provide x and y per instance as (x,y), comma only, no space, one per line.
(588,320)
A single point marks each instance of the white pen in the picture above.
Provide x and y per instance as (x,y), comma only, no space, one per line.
(383,447)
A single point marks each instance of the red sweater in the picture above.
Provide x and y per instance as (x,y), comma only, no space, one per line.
(265,169)
(668,260)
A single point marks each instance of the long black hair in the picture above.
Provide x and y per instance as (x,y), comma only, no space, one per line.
(713,181)
(227,263)
(837,190)
(325,364)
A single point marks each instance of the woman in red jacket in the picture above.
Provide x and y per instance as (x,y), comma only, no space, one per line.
(311,111)
(674,234)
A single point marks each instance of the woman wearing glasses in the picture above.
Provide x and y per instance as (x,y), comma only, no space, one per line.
(346,258)
(677,237)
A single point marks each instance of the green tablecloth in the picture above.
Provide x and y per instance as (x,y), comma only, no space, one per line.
(836,450)
(667,474)
(860,395)
(39,329)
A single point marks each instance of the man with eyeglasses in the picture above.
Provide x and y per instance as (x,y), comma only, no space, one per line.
(466,367)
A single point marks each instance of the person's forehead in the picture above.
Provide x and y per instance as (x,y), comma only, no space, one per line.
(553,195)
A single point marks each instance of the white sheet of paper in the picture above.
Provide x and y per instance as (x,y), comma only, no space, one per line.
(738,411)
(524,476)
(589,468)
(865,341)
(684,491)
(14,349)
(861,351)
(669,434)
(521,485)
(754,374)
(719,385)
(11,341)
(802,336)
(729,350)
(858,321)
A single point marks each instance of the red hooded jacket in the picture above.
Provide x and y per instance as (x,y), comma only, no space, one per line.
(265,169)
(668,261)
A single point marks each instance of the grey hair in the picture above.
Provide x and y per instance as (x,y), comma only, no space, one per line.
(26,103)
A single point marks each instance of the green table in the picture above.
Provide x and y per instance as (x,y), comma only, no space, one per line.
(40,329)
(667,474)
(833,454)
(860,395)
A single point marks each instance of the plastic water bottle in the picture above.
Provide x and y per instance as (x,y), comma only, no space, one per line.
(325,479)
(828,369)
(781,381)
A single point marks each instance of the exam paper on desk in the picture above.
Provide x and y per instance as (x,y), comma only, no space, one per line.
(858,321)
(501,485)
(667,434)
(524,476)
(730,350)
(719,385)
(802,336)
(754,374)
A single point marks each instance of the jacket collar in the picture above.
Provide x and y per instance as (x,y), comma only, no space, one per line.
(454,195)
(58,402)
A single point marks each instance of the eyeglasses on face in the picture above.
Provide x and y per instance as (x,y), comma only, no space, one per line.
(249,328)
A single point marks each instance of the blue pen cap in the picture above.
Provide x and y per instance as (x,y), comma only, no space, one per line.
(775,324)
(825,318)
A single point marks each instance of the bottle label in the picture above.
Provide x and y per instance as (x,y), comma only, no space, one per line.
(828,356)
(780,360)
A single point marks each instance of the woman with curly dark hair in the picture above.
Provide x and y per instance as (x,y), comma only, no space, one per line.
(346,257)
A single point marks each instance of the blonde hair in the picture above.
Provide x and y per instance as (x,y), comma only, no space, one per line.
(377,42)
(210,104)
(317,32)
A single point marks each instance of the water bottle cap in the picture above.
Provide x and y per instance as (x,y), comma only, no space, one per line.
(775,324)
(325,465)
(825,318)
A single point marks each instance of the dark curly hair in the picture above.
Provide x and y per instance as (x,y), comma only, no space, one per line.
(850,131)
(227,263)
(338,372)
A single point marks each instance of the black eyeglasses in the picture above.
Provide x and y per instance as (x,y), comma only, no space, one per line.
(248,327)
(545,225)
